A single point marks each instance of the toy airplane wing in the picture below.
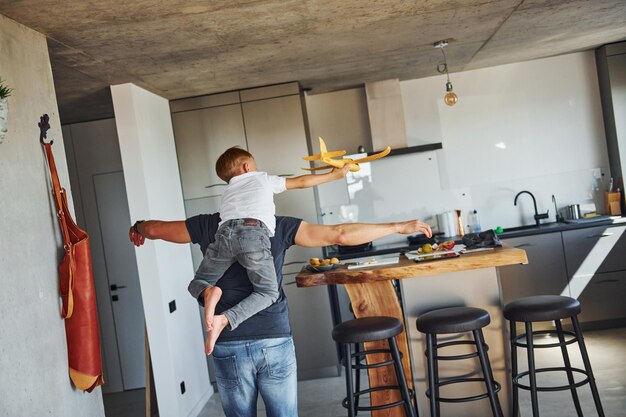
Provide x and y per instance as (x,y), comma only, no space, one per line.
(324,154)
(373,157)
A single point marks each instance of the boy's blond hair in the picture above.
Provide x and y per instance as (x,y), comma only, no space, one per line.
(228,162)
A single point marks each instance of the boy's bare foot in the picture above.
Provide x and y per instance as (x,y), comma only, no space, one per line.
(219,323)
(211,296)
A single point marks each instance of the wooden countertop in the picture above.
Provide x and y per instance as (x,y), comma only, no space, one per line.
(406,268)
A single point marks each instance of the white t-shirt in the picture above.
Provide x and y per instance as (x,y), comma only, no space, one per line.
(251,195)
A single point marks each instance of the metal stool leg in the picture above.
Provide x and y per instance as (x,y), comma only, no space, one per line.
(568,366)
(431,354)
(357,379)
(496,410)
(531,368)
(350,396)
(404,389)
(587,363)
(515,402)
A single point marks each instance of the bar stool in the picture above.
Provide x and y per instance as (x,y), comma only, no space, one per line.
(548,308)
(457,320)
(370,329)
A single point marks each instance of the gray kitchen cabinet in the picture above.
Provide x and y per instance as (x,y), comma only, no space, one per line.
(596,268)
(601,296)
(545,273)
(201,137)
(595,250)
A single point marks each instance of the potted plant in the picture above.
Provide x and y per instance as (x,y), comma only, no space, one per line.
(4,109)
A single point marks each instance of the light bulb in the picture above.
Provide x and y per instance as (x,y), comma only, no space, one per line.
(450,98)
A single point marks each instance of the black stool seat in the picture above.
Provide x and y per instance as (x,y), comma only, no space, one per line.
(367,329)
(541,308)
(453,320)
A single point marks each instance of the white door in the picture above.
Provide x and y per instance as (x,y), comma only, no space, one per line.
(124,292)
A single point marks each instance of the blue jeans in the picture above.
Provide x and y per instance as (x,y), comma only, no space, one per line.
(247,368)
(245,241)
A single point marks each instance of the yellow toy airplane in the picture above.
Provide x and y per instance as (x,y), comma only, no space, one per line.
(327,158)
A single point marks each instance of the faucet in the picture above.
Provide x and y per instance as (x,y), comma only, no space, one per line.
(559,218)
(537,216)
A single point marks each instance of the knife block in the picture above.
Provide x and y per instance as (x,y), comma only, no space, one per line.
(612,203)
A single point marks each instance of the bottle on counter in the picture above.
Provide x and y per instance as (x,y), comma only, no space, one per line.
(473,222)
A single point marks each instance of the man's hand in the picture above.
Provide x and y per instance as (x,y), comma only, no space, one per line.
(414,226)
(136,238)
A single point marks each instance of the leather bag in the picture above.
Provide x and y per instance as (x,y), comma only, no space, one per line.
(77,293)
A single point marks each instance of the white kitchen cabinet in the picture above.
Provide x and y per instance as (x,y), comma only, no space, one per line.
(545,273)
(277,139)
(269,122)
(201,137)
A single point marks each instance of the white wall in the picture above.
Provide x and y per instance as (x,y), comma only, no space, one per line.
(34,378)
(154,192)
(533,126)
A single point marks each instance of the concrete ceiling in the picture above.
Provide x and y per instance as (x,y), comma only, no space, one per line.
(182,48)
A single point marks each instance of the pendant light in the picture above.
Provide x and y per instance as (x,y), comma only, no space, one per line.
(450,98)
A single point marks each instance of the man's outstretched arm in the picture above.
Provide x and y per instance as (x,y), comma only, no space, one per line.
(315,235)
(175,232)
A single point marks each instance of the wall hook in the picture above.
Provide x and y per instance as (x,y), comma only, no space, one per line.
(44,125)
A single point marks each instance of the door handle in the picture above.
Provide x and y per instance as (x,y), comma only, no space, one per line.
(605,234)
(116,287)
(522,245)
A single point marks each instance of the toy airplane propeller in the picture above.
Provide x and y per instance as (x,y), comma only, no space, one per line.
(328,158)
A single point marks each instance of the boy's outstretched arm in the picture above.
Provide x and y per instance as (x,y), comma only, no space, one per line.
(311,180)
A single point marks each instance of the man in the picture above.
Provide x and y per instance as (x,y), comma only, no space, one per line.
(258,356)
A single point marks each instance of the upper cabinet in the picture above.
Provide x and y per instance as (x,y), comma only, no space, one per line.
(201,137)
(276,135)
(267,121)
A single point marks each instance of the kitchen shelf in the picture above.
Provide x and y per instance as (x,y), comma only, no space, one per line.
(412,149)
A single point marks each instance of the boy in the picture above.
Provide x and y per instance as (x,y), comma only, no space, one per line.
(247,223)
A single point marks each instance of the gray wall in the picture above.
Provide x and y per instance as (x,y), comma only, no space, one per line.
(34,377)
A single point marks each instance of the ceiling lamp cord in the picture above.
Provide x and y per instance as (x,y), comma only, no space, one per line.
(450,98)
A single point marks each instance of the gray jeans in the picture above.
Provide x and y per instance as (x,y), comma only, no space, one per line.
(245,241)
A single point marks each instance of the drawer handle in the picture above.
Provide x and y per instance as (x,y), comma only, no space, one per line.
(605,234)
(522,245)
(216,185)
(608,281)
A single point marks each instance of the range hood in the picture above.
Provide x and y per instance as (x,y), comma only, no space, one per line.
(386,114)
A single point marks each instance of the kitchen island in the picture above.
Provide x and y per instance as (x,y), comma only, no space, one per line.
(471,279)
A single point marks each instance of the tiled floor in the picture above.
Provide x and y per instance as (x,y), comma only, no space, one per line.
(321,397)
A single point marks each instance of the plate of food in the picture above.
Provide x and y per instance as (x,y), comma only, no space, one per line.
(322,265)
(430,252)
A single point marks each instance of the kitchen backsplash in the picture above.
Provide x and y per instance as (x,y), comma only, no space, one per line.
(409,186)
(533,126)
